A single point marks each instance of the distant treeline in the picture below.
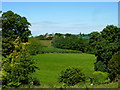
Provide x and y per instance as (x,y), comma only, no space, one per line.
(51,36)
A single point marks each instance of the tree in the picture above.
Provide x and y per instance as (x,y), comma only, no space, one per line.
(70,42)
(104,45)
(94,36)
(114,66)
(17,66)
(67,35)
(110,33)
(58,34)
(13,25)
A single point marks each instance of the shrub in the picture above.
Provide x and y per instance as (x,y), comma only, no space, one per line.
(100,77)
(71,76)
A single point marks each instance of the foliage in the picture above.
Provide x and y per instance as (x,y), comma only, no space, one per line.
(7,46)
(104,45)
(13,25)
(17,67)
(70,42)
(35,46)
(58,34)
(114,66)
(71,76)
(100,77)
(94,36)
(100,66)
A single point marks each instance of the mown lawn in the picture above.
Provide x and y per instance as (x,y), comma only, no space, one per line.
(52,64)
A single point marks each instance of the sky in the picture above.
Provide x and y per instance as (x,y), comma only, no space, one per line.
(65,17)
(59,0)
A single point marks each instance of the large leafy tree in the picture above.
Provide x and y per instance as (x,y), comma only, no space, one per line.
(13,25)
(17,66)
(105,44)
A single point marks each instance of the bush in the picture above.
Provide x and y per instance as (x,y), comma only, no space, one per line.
(100,77)
(71,76)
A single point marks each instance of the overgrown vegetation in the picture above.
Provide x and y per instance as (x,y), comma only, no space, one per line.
(71,76)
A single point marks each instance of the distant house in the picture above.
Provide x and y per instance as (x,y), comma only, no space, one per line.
(50,35)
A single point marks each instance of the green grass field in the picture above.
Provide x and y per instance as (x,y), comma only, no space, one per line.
(52,64)
(45,42)
(56,60)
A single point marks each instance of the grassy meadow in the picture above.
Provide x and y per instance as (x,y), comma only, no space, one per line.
(52,64)
(54,60)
